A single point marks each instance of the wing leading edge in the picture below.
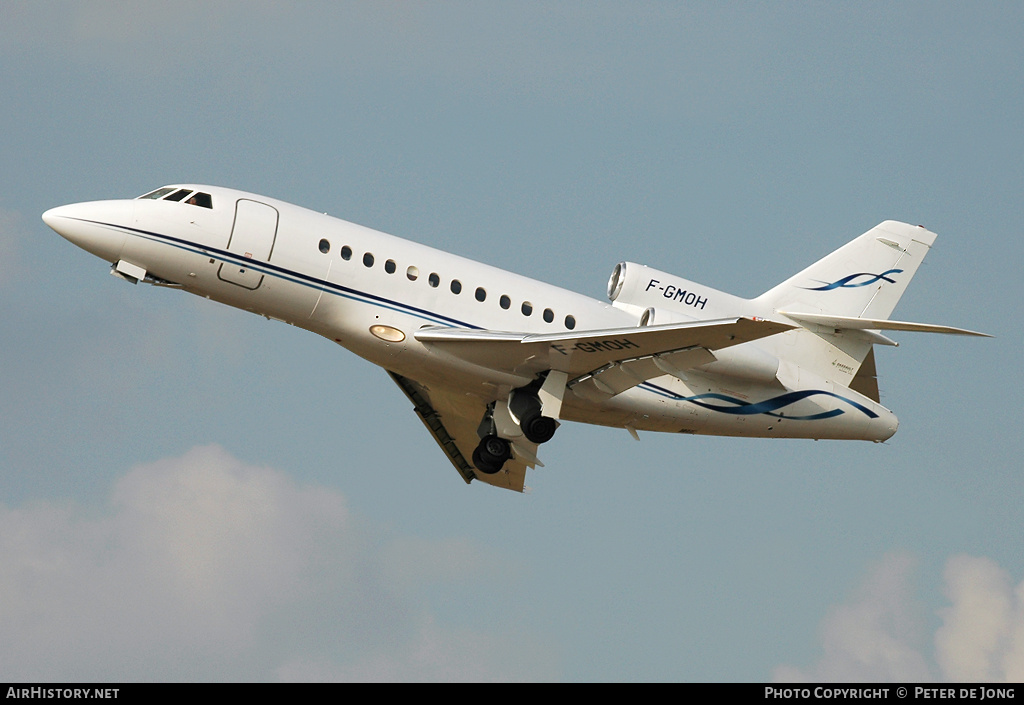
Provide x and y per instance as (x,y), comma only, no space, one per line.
(452,419)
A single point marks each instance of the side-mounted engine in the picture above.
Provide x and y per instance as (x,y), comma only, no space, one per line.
(656,296)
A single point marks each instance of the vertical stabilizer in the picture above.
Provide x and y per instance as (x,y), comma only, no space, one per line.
(863,279)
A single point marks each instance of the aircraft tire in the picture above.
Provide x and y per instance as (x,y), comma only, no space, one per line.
(491,454)
(539,429)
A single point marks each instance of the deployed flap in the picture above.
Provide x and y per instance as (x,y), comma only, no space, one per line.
(616,377)
(452,419)
(852,323)
(580,352)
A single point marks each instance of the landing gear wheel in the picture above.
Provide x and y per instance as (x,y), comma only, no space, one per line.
(539,429)
(491,454)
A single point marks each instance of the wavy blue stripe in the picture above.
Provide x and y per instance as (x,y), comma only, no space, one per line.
(770,406)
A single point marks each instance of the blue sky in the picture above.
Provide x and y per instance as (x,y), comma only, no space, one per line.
(191,492)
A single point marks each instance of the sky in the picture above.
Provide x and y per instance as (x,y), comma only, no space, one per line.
(190,492)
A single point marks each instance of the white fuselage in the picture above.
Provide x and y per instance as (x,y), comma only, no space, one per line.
(344,281)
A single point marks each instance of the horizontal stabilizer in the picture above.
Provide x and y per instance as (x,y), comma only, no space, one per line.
(581,352)
(854,323)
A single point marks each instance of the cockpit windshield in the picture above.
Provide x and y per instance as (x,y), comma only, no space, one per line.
(159,193)
(184,195)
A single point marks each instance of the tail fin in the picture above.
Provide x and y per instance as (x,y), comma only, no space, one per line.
(863,279)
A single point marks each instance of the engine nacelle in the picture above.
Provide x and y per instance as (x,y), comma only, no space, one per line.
(659,297)
(666,297)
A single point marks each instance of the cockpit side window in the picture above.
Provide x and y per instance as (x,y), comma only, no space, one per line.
(159,193)
(203,200)
(179,194)
(200,199)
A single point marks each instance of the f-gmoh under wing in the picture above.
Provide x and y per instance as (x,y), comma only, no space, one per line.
(581,352)
(452,419)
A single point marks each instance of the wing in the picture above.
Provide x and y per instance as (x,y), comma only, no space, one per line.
(452,419)
(597,364)
(657,350)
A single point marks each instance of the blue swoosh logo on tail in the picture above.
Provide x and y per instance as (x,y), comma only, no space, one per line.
(848,282)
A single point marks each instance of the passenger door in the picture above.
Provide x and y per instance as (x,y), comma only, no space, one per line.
(252,240)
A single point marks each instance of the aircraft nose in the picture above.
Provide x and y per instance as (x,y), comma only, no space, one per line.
(56,217)
(96,226)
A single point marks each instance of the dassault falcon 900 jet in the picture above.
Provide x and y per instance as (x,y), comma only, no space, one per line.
(493,361)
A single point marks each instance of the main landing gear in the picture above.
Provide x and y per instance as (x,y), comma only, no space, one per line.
(522,415)
(536,427)
(491,454)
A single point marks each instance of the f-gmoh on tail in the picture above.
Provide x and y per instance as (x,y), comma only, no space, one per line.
(493,361)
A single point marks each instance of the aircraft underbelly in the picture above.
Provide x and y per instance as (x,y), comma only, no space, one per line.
(668,405)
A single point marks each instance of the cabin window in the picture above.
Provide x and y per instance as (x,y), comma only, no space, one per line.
(505,301)
(549,315)
(413,273)
(346,252)
(570,322)
(325,246)
(527,308)
(456,286)
(480,293)
(368,259)
(434,279)
(390,266)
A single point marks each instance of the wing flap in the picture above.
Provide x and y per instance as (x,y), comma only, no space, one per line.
(617,377)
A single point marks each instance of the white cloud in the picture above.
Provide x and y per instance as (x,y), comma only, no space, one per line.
(982,636)
(203,567)
(876,635)
(870,638)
